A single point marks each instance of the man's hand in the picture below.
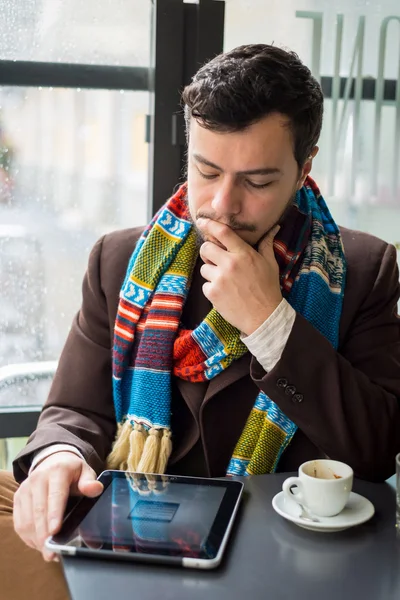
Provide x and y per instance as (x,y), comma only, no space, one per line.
(40,501)
(242,283)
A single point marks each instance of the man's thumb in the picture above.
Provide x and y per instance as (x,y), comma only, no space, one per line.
(88,484)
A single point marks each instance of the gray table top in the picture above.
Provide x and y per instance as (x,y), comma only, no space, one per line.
(268,557)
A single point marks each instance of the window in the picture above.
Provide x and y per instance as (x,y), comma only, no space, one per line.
(73,165)
(90,141)
(357,167)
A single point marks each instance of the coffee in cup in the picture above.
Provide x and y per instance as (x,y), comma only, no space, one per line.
(323,486)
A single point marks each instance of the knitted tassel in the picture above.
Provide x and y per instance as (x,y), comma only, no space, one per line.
(137,441)
(120,450)
(149,461)
(165,451)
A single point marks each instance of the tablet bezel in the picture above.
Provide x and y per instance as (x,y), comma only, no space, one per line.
(219,532)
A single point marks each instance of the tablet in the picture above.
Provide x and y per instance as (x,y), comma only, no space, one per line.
(152,518)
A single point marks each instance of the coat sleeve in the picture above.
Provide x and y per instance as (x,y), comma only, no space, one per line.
(79,410)
(347,401)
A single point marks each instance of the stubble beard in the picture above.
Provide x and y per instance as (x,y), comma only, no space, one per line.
(235,225)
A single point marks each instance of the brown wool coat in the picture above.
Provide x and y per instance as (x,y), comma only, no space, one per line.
(349,408)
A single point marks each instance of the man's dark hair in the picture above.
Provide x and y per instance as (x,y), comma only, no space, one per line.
(240,87)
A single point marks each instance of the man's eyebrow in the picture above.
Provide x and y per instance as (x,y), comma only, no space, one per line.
(261,171)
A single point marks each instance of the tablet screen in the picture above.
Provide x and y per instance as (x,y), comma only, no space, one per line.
(160,515)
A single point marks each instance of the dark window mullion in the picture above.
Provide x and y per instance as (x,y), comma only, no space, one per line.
(43,74)
(18,421)
(368,88)
(166,76)
(186,35)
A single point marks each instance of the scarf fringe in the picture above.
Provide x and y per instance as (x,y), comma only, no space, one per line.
(120,451)
(165,451)
(136,444)
(140,450)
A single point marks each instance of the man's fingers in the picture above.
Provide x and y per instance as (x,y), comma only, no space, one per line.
(211,253)
(88,484)
(207,289)
(208,272)
(224,234)
(27,527)
(40,501)
(22,525)
(58,493)
(267,242)
(91,488)
(39,511)
(49,556)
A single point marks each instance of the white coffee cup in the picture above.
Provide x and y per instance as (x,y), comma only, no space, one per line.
(323,486)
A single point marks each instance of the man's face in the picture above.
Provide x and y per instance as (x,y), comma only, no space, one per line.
(245,179)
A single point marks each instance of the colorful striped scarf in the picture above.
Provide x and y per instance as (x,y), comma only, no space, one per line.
(150,348)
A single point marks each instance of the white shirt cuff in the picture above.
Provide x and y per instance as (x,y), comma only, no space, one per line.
(42,454)
(268,341)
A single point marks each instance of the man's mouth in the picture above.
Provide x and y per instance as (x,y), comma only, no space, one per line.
(234,227)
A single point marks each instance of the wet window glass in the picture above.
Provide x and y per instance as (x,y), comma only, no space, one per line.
(110,32)
(358,165)
(73,166)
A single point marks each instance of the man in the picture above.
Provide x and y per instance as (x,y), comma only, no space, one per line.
(242,332)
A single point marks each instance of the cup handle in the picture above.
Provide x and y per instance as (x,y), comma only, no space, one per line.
(290,483)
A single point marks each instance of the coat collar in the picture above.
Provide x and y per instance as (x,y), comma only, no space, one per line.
(238,369)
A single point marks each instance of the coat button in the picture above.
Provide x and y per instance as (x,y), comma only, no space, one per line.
(290,390)
(282,383)
(298,398)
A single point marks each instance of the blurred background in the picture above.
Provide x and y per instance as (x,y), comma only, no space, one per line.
(76,162)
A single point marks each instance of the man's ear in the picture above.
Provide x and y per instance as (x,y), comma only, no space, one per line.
(307,167)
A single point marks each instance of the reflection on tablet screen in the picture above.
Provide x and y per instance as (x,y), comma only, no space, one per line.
(139,517)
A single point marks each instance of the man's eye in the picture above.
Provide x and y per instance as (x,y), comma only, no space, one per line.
(259,186)
(207,175)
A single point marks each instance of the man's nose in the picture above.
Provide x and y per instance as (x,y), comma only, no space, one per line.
(226,200)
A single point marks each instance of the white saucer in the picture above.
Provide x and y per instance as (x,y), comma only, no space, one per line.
(357,510)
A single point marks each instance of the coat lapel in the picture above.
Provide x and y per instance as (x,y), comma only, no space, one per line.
(197,394)
(238,369)
(236,395)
